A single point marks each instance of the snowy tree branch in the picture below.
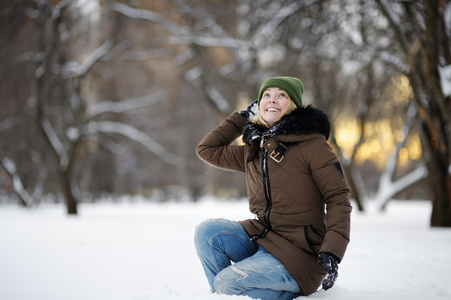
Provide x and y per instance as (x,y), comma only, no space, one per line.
(148,15)
(368,54)
(218,99)
(445,80)
(395,23)
(269,27)
(136,135)
(389,188)
(182,34)
(75,69)
(55,143)
(124,105)
(145,55)
(39,188)
(11,169)
(213,95)
(208,41)
(10,122)
(393,60)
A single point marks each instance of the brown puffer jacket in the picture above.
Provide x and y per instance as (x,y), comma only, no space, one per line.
(288,193)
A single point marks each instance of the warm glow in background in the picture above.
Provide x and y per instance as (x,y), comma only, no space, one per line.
(383,134)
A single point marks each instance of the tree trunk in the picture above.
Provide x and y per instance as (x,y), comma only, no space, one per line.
(354,189)
(48,44)
(441,206)
(439,177)
(69,198)
(347,168)
(440,181)
(438,119)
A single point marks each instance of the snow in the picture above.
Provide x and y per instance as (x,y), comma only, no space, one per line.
(136,250)
(445,79)
(89,9)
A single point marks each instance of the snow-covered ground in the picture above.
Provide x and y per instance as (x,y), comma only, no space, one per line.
(142,251)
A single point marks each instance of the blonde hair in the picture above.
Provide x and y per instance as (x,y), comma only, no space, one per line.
(258,119)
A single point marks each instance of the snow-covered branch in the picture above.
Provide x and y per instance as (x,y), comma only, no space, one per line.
(193,74)
(145,55)
(218,99)
(268,28)
(214,96)
(368,54)
(10,122)
(183,58)
(388,188)
(10,168)
(393,60)
(136,135)
(148,15)
(39,188)
(181,34)
(210,41)
(395,22)
(75,69)
(125,105)
(445,80)
(57,145)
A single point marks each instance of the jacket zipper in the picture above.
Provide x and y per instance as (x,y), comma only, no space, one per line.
(267,189)
(262,141)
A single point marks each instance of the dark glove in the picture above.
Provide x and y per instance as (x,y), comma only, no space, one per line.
(251,111)
(330,264)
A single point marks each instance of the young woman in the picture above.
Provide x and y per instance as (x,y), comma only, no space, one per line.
(296,189)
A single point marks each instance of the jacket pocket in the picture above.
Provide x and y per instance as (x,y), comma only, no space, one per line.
(314,239)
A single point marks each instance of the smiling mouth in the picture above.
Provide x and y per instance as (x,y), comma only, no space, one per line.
(272,109)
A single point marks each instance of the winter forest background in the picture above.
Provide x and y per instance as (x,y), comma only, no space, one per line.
(100,98)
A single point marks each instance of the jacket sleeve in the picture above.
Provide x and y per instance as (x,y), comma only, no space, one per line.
(331,182)
(217,149)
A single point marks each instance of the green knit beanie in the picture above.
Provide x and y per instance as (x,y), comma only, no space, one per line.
(291,85)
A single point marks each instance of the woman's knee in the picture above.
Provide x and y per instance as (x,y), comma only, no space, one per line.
(211,228)
(230,281)
(204,229)
(207,230)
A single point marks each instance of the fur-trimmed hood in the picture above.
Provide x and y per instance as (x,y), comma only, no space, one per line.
(302,120)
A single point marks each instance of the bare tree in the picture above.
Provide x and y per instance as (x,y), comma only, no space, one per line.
(419,50)
(66,115)
(423,37)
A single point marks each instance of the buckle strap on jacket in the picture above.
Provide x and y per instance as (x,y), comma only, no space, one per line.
(278,154)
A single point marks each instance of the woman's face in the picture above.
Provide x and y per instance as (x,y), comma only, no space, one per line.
(273,105)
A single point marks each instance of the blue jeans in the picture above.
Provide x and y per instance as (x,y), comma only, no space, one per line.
(255,272)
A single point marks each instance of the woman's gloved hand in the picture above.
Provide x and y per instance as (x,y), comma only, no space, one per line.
(251,111)
(330,264)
